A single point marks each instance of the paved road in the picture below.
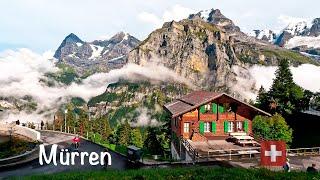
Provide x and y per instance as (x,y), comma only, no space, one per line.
(64,141)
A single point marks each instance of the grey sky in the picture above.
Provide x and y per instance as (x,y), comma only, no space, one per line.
(42,24)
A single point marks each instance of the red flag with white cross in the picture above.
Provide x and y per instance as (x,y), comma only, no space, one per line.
(273,153)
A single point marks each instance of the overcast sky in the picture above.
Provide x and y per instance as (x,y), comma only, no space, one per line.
(41,25)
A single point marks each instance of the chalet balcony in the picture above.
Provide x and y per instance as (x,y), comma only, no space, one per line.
(210,116)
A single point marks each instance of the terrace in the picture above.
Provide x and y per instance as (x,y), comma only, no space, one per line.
(222,149)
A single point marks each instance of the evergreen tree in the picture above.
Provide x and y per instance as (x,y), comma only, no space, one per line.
(70,117)
(106,131)
(136,138)
(262,100)
(315,101)
(123,134)
(285,97)
(152,144)
(83,122)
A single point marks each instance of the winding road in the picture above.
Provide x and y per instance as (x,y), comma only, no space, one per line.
(63,141)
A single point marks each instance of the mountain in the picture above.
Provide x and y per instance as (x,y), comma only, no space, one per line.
(95,56)
(206,48)
(214,16)
(265,35)
(301,36)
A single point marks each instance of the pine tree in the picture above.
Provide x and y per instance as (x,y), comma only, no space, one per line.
(70,118)
(106,131)
(285,96)
(262,100)
(136,138)
(123,134)
(152,144)
(83,122)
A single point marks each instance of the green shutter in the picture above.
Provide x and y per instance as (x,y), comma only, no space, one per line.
(214,127)
(201,127)
(214,108)
(202,109)
(221,109)
(246,125)
(226,126)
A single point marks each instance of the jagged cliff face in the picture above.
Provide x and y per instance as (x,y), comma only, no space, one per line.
(193,48)
(206,48)
(99,55)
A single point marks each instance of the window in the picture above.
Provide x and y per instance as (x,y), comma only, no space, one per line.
(207,107)
(186,127)
(239,126)
(206,127)
(230,126)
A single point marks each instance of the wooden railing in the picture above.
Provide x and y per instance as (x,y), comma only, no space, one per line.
(189,148)
(229,153)
(259,139)
(303,151)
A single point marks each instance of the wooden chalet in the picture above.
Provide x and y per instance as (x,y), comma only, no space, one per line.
(203,116)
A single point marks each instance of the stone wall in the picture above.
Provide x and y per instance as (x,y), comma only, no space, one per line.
(20,131)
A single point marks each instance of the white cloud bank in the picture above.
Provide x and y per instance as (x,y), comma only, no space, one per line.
(252,78)
(22,70)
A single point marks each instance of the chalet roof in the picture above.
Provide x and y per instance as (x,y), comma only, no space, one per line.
(196,99)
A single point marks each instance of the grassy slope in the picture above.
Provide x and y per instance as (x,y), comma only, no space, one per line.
(181,173)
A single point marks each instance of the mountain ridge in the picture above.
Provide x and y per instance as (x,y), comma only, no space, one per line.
(95,56)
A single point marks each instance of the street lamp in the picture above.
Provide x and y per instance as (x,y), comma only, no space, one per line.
(65,120)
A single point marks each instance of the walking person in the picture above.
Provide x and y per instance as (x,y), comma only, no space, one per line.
(287,166)
(76,141)
(42,124)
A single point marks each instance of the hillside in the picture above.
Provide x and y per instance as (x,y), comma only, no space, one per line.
(139,102)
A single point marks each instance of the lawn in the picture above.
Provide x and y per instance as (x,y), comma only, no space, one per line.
(181,173)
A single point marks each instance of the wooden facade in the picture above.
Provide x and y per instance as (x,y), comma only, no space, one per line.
(214,116)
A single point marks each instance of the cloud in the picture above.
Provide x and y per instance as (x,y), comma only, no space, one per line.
(150,18)
(285,20)
(252,78)
(144,119)
(22,72)
(176,13)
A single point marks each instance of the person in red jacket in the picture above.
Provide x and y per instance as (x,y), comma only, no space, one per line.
(76,141)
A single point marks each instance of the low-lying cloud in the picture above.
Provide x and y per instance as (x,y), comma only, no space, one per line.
(21,73)
(144,119)
(252,78)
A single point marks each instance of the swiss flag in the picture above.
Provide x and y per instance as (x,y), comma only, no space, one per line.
(273,153)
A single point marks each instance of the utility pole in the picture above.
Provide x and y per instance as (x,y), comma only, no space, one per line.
(65,120)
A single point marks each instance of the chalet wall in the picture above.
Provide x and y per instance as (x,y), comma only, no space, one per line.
(243,113)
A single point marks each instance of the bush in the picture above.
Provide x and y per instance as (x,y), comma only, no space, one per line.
(272,128)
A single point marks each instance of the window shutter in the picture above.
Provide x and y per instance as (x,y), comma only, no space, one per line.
(201,127)
(214,108)
(214,127)
(246,125)
(225,126)
(221,109)
(202,109)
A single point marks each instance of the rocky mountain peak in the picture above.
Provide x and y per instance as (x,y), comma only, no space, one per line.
(315,28)
(72,38)
(98,55)
(71,41)
(265,35)
(214,16)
